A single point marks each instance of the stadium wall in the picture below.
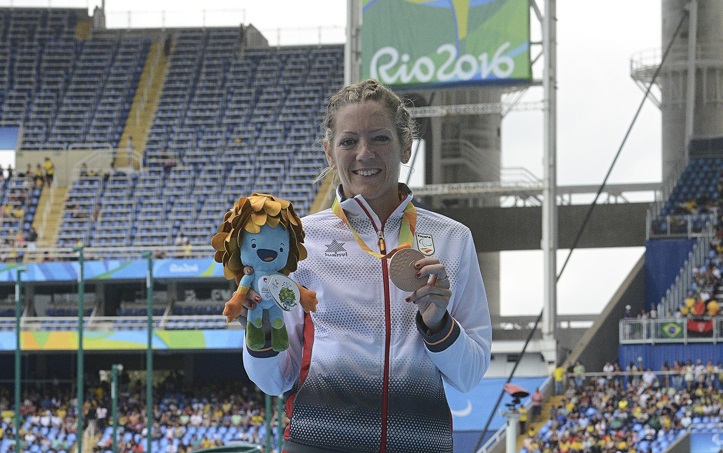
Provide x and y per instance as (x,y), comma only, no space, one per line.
(654,356)
(664,258)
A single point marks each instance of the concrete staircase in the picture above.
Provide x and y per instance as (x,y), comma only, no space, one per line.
(143,108)
(324,196)
(49,215)
(551,402)
(82,29)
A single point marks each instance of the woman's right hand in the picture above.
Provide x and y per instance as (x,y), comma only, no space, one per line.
(238,306)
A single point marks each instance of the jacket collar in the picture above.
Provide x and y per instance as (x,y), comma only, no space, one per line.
(353,206)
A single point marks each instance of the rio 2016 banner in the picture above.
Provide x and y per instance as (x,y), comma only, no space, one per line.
(418,43)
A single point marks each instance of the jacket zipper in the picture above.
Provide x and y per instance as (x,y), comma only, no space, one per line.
(387,340)
(387,326)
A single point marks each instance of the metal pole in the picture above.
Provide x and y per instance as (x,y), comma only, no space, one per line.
(18,314)
(692,8)
(351,48)
(549,205)
(81,310)
(268,423)
(149,352)
(279,421)
(511,434)
(114,397)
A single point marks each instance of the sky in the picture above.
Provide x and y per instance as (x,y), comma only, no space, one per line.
(597,100)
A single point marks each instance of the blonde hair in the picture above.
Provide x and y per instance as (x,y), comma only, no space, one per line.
(367,90)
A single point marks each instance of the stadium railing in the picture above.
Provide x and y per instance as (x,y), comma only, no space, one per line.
(705,329)
(100,253)
(114,323)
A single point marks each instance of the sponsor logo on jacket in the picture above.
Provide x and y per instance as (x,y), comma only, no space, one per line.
(335,249)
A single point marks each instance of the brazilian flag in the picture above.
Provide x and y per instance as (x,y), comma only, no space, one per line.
(671,330)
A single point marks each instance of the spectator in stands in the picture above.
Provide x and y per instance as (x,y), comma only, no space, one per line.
(443,328)
(699,373)
(522,421)
(18,212)
(559,376)
(184,244)
(649,378)
(38,176)
(537,399)
(19,239)
(608,368)
(579,371)
(129,150)
(76,212)
(168,162)
(167,45)
(49,168)
(10,171)
(28,171)
(689,375)
(31,238)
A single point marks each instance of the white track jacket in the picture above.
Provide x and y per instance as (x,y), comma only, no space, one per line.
(361,373)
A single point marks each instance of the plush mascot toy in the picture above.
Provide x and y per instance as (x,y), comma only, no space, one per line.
(264,233)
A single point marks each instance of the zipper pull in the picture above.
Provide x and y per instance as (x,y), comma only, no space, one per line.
(382,245)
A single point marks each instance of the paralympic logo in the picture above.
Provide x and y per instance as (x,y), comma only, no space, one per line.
(388,66)
(463,412)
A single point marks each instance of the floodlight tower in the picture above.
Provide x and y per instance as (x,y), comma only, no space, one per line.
(690,80)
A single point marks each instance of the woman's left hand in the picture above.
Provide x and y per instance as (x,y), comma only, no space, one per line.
(432,299)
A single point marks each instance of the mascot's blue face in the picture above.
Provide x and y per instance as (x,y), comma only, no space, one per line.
(267,250)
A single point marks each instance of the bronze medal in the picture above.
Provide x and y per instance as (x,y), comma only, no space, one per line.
(402,271)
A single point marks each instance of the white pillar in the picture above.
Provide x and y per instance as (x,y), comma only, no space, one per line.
(549,204)
(511,434)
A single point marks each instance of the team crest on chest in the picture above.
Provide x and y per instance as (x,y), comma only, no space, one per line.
(425,243)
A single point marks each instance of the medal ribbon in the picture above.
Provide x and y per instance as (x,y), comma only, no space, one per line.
(406,232)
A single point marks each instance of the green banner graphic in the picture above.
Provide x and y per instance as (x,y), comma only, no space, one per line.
(446,42)
(124,340)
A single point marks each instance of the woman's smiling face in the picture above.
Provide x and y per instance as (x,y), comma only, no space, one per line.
(366,152)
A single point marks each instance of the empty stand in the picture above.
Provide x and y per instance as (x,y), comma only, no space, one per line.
(229,122)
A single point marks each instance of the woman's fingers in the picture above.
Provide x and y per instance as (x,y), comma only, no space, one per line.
(431,267)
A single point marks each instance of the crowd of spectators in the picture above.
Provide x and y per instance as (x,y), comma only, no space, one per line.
(16,202)
(613,411)
(706,289)
(185,419)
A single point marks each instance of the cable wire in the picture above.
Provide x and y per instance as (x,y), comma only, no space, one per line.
(584,224)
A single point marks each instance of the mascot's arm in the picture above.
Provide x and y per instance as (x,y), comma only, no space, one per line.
(233,307)
(308,299)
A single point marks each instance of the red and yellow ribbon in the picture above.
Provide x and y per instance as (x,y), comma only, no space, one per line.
(406,232)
